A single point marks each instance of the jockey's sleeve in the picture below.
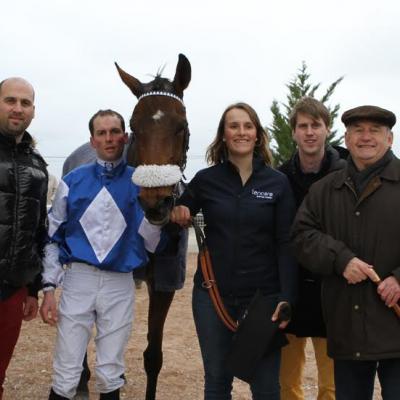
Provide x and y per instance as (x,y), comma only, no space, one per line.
(53,271)
(52,268)
(153,236)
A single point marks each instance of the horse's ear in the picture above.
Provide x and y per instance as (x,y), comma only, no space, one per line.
(183,75)
(132,83)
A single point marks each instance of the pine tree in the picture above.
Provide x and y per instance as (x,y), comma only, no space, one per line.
(283,145)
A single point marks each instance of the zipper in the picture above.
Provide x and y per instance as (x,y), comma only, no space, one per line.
(16,202)
(239,211)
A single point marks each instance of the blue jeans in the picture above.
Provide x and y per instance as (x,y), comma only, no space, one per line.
(215,341)
(354,380)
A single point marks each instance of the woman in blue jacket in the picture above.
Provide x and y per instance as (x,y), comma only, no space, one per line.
(248,209)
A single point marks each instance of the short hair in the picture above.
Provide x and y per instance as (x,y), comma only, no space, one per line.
(310,106)
(217,151)
(104,113)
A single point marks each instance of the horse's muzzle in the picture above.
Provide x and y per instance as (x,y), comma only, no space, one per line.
(160,213)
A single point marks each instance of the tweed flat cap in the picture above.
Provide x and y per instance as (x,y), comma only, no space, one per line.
(370,113)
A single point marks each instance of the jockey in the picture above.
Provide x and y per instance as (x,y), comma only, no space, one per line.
(97,237)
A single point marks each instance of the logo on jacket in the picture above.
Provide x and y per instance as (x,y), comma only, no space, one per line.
(262,195)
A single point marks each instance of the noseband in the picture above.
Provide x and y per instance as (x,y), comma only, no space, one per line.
(149,176)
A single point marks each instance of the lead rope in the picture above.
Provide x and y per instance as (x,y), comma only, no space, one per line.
(209,282)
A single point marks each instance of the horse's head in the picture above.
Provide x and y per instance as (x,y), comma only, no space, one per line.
(161,139)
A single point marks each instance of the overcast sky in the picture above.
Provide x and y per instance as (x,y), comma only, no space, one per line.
(239,51)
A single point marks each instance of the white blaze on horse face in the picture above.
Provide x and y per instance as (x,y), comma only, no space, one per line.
(158,115)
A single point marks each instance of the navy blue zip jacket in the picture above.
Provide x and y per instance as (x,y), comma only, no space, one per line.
(247,229)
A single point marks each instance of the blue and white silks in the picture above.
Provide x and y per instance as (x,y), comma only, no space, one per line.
(96,219)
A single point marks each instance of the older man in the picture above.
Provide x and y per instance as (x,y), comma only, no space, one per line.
(23,189)
(347,229)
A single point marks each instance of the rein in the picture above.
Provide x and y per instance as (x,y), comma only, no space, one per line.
(209,282)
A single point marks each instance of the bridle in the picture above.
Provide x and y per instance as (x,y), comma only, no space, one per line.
(182,164)
(151,176)
(162,175)
(161,93)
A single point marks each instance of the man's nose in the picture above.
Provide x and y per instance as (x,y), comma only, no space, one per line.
(309,130)
(366,134)
(108,136)
(17,107)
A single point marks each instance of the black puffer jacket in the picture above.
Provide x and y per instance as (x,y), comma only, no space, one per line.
(23,188)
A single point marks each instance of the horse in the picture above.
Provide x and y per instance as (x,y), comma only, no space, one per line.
(160,142)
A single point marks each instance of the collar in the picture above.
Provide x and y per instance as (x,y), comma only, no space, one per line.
(110,168)
(257,163)
(331,161)
(8,140)
(391,172)
(109,165)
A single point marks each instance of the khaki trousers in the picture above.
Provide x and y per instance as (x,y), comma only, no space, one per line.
(292,366)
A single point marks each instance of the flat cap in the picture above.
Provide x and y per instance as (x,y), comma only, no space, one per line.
(370,113)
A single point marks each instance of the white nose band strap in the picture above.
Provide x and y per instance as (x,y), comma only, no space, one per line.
(149,176)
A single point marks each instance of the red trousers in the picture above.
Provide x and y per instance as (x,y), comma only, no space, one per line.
(11,314)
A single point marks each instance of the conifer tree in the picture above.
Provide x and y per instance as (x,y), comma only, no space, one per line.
(280,131)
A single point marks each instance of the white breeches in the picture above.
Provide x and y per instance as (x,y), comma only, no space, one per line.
(92,297)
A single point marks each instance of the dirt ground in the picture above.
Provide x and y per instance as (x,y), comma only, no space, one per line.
(29,374)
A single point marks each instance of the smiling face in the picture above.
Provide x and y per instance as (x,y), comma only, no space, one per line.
(16,107)
(108,138)
(310,135)
(367,142)
(240,133)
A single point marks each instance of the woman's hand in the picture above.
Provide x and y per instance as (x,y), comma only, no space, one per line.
(181,216)
(282,314)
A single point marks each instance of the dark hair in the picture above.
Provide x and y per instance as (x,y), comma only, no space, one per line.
(104,113)
(217,152)
(310,106)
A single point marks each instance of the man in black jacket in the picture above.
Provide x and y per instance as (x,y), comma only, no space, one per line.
(23,190)
(310,122)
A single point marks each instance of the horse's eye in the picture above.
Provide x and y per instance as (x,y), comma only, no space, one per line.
(181,129)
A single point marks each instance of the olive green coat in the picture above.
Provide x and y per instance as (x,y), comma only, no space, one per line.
(332,226)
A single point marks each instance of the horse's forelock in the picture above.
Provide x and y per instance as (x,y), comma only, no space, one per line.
(159,84)
(163,84)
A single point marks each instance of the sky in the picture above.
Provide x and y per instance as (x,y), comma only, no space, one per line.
(239,51)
